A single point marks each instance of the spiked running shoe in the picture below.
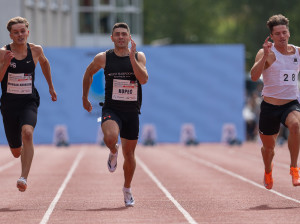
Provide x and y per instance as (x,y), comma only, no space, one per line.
(16,152)
(22,184)
(128,198)
(294,171)
(268,179)
(112,160)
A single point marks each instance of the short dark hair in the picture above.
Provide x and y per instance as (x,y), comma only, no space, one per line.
(16,20)
(276,20)
(121,25)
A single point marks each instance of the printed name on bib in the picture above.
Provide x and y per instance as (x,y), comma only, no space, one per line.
(19,83)
(124,90)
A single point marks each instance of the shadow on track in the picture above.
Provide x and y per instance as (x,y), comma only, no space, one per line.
(267,207)
(99,209)
(10,210)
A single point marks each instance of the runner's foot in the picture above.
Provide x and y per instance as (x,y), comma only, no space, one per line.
(112,160)
(22,184)
(294,171)
(268,179)
(128,198)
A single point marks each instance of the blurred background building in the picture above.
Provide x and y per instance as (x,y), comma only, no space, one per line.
(79,23)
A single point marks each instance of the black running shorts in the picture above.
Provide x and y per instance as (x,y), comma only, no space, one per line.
(13,121)
(128,122)
(272,115)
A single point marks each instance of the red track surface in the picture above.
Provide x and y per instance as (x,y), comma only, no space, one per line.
(210,183)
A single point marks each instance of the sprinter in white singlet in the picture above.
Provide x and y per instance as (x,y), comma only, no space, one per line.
(279,64)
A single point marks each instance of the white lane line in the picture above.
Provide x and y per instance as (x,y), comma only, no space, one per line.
(188,217)
(222,170)
(62,188)
(8,165)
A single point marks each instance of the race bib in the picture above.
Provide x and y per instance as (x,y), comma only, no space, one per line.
(124,90)
(19,83)
(288,77)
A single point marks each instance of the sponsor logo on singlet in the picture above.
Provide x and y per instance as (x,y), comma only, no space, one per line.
(295,61)
(13,65)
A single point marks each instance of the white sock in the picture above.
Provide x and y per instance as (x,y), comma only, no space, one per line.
(126,189)
(114,154)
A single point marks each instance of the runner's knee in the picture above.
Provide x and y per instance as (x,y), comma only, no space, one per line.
(294,128)
(27,135)
(110,140)
(268,149)
(129,155)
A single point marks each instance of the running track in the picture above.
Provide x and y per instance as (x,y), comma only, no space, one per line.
(208,183)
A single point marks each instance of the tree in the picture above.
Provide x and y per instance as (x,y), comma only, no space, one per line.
(217,22)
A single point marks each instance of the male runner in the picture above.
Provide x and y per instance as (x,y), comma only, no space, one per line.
(279,63)
(20,99)
(125,72)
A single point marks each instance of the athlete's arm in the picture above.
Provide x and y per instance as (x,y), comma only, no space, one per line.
(96,65)
(259,65)
(5,58)
(38,55)
(261,60)
(139,66)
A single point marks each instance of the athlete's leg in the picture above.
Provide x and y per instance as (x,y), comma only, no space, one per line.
(12,132)
(111,131)
(28,149)
(128,147)
(293,124)
(267,150)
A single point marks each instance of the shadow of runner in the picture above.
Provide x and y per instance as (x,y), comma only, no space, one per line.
(10,210)
(267,207)
(99,209)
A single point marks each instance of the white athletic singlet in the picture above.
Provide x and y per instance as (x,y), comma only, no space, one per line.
(281,78)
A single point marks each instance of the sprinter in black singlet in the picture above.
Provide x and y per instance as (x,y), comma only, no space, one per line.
(125,71)
(20,99)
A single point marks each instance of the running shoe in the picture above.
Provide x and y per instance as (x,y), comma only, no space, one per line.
(294,171)
(16,152)
(128,198)
(22,184)
(268,179)
(112,160)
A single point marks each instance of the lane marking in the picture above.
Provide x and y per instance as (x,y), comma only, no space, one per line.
(188,217)
(62,187)
(222,170)
(8,165)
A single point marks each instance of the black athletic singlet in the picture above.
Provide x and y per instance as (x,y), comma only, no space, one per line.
(123,91)
(18,82)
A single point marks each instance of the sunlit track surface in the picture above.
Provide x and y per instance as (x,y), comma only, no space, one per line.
(208,183)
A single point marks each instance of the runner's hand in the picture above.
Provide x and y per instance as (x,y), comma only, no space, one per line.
(267,46)
(132,49)
(87,104)
(7,57)
(53,95)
